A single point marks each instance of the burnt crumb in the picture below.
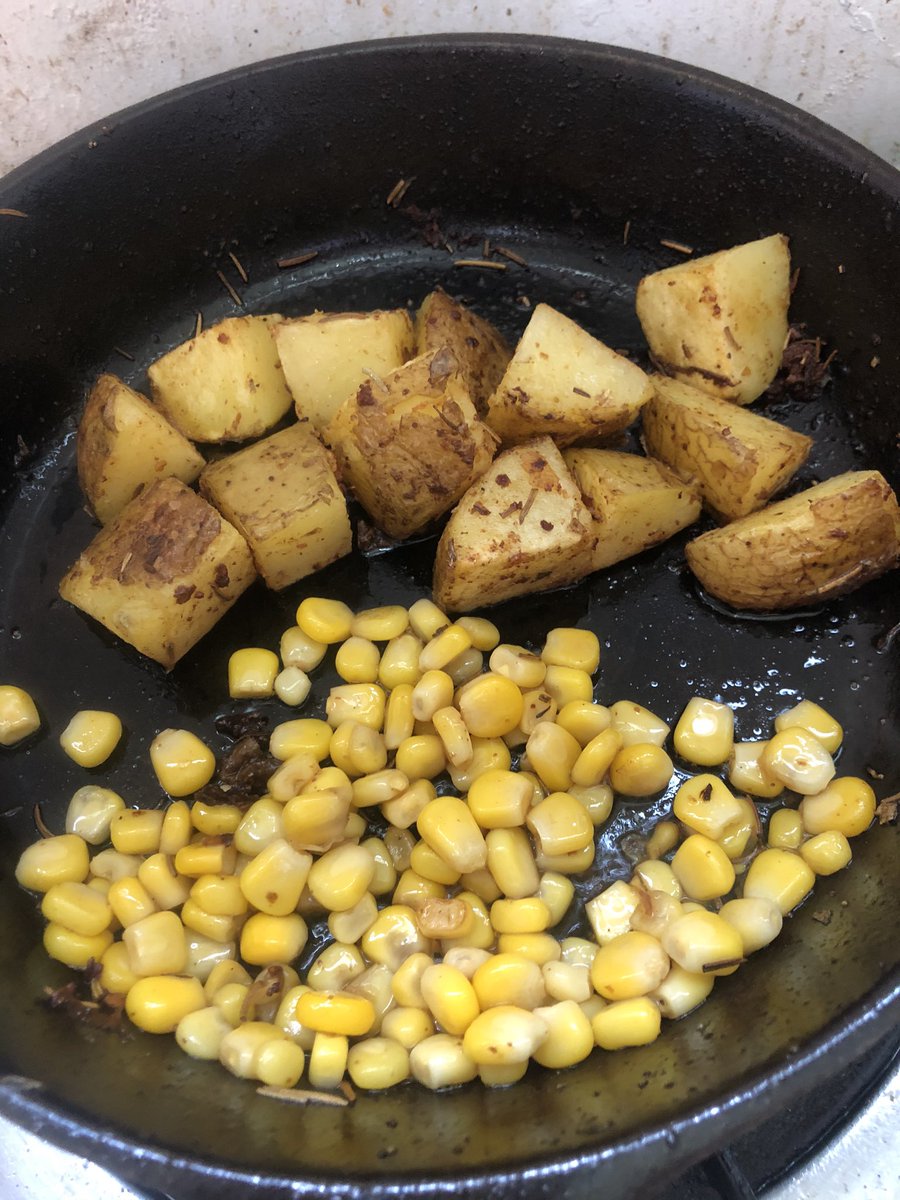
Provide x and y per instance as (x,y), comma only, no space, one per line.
(242,774)
(23,451)
(886,810)
(241,724)
(427,224)
(803,372)
(85,1000)
(823,916)
(706,793)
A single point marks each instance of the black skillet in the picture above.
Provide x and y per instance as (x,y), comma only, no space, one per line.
(581,159)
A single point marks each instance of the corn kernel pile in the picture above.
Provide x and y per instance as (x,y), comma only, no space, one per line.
(443,964)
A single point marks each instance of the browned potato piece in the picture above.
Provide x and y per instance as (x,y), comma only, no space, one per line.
(565,383)
(818,544)
(224,385)
(161,574)
(634,502)
(123,444)
(521,528)
(720,322)
(326,356)
(409,445)
(738,459)
(480,350)
(282,496)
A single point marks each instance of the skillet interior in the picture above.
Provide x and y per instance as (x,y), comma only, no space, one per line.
(549,148)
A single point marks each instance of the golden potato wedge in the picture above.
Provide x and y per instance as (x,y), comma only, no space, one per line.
(521,528)
(820,543)
(326,356)
(634,502)
(162,572)
(720,322)
(224,385)
(563,382)
(481,351)
(123,444)
(411,443)
(281,494)
(738,459)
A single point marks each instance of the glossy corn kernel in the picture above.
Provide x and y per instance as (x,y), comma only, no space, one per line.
(488,754)
(19,717)
(596,758)
(326,621)
(525,669)
(336,1013)
(597,801)
(292,777)
(654,875)
(292,686)
(552,754)
(578,951)
(414,889)
(609,912)
(567,981)
(779,876)
(156,945)
(757,921)
(705,805)
(447,919)
(305,735)
(116,975)
(315,821)
(182,763)
(357,749)
(448,826)
(640,769)
(91,736)
(137,830)
(526,915)
(465,666)
(480,933)
(400,661)
(427,863)
(75,949)
(350,925)
(799,761)
(273,881)
(704,733)
(280,1063)
(406,980)
(466,958)
(204,954)
(240,1047)
(847,805)
(234,1002)
(557,893)
(681,992)
(540,948)
(78,907)
(214,926)
(394,936)
(538,706)
(632,964)
(785,830)
(441,1061)
(434,690)
(399,718)
(266,939)
(110,865)
(575,648)
(584,720)
(378,1063)
(510,861)
(362,702)
(165,886)
(560,825)
(827,852)
(568,684)
(177,828)
(815,720)
(490,705)
(740,836)
(130,901)
(702,868)
(225,972)
(454,736)
(286,1018)
(637,724)
(157,1003)
(299,650)
(443,647)
(399,844)
(634,1022)
(251,673)
(91,811)
(341,877)
(380,624)
(200,1033)
(656,912)
(500,799)
(504,1035)
(747,772)
(334,967)
(357,660)
(62,859)
(421,756)
(408,1026)
(450,998)
(198,859)
(328,1060)
(663,839)
(703,943)
(569,1039)
(215,820)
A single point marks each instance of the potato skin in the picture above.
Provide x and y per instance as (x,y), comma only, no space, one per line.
(480,349)
(818,544)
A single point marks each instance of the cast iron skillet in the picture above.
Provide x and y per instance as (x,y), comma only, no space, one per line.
(550,148)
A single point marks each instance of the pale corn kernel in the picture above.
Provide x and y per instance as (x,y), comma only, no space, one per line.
(441,1061)
(703,943)
(450,998)
(578,951)
(380,624)
(91,811)
(301,651)
(421,756)
(357,660)
(597,801)
(78,907)
(640,769)
(215,820)
(527,915)
(292,777)
(198,859)
(357,749)
(328,1060)
(406,981)
(341,877)
(741,835)
(525,669)
(455,739)
(251,673)
(747,773)
(465,666)
(233,1001)
(557,892)
(815,720)
(394,936)
(315,821)
(136,830)
(799,760)
(157,1003)
(61,859)
(591,1007)
(541,948)
(448,826)
(225,972)
(510,861)
(847,805)
(567,981)
(656,912)
(446,919)
(399,718)
(482,883)
(129,900)
(570,1036)
(703,869)
(499,799)
(466,958)
(292,686)
(75,949)
(593,763)
(481,933)
(177,829)
(681,992)
(584,720)
(634,1022)
(334,967)
(488,754)
(484,634)
(378,1063)
(408,1026)
(652,874)
(538,706)
(631,965)
(400,661)
(355,828)
(385,877)
(504,1035)
(757,921)
(433,690)
(560,825)
(166,887)
(266,939)
(273,881)
(240,1047)
(427,620)
(362,702)
(663,839)
(286,1018)
(494,1075)
(261,824)
(609,912)
(785,830)
(280,1063)
(705,805)
(827,852)
(413,889)
(426,861)
(181,762)
(568,684)
(116,975)
(155,945)
(109,865)
(567,864)
(704,733)
(490,705)
(443,647)
(305,735)
(204,954)
(19,717)
(399,843)
(326,621)
(91,736)
(210,925)
(779,876)
(637,724)
(552,754)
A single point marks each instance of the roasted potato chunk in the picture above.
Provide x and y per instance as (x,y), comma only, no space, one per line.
(281,494)
(480,350)
(521,528)
(411,443)
(634,502)
(224,385)
(563,382)
(162,572)
(326,356)
(123,444)
(820,543)
(720,322)
(739,460)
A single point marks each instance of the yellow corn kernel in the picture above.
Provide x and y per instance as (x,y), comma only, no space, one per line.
(177,829)
(165,886)
(568,684)
(747,773)
(406,981)
(19,717)
(705,805)
(634,1022)
(200,1033)
(450,997)
(441,1061)
(527,915)
(251,673)
(703,869)
(557,892)
(681,992)
(315,821)
(380,624)
(827,852)
(181,762)
(570,647)
(757,921)
(488,754)
(357,660)
(328,1060)
(240,1047)
(504,1035)
(704,943)
(455,739)
(654,875)
(209,925)
(632,964)
(204,954)
(215,820)
(336,1013)
(341,877)
(570,1036)
(394,936)
(286,1018)
(538,706)
(399,843)
(334,967)
(292,777)
(157,1003)
(779,876)
(91,811)
(427,620)
(578,951)
(443,647)
(847,805)
(408,1026)
(815,720)
(136,830)
(280,1063)
(552,754)
(399,718)
(378,788)
(478,934)
(593,763)
(91,736)
(596,800)
(385,876)
(799,761)
(273,881)
(378,1063)
(500,799)
(510,860)
(357,749)
(432,691)
(656,912)
(413,889)
(129,900)
(640,769)
(567,981)
(326,621)
(490,705)
(116,974)
(560,825)
(482,883)
(266,939)
(663,839)
(541,948)
(584,720)
(525,669)
(483,634)
(704,733)
(300,651)
(609,912)
(111,865)
(75,949)
(427,863)
(362,702)
(501,1074)
(225,972)
(450,829)
(155,945)
(785,829)
(78,907)
(305,735)
(234,1002)
(400,661)
(350,925)
(62,859)
(292,686)
(637,724)
(199,859)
